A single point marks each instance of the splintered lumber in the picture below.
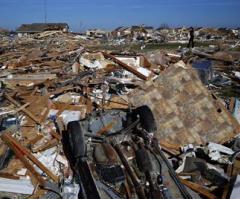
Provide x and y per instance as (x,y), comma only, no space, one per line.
(56,135)
(21,108)
(5,137)
(170,145)
(24,110)
(47,145)
(198,189)
(35,139)
(227,187)
(22,153)
(125,66)
(9,176)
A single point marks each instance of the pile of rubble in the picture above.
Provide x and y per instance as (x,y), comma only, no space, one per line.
(81,124)
(148,34)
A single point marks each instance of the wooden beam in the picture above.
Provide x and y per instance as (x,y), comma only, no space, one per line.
(56,135)
(21,107)
(199,189)
(9,176)
(125,66)
(23,151)
(232,104)
(22,158)
(170,146)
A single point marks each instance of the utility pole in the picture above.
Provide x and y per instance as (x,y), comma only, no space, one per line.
(45,11)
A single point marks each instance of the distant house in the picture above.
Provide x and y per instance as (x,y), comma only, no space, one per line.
(97,33)
(41,27)
(149,29)
(163,30)
(138,32)
(123,31)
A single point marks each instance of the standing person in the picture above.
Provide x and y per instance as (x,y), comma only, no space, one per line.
(191,40)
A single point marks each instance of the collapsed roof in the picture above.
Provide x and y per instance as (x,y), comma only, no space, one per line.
(41,27)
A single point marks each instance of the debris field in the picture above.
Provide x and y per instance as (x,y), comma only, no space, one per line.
(78,123)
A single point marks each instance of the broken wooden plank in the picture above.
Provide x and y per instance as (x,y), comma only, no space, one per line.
(199,189)
(125,66)
(21,107)
(49,144)
(35,139)
(171,146)
(56,135)
(23,151)
(232,104)
(24,110)
(5,137)
(9,176)
(227,186)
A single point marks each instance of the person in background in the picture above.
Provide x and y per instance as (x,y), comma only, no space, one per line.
(191,39)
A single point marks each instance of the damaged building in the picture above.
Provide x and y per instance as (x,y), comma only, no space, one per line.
(41,27)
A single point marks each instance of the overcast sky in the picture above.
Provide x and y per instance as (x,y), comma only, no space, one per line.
(108,14)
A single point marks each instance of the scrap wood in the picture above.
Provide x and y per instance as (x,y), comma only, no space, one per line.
(24,110)
(127,189)
(171,149)
(125,66)
(35,139)
(47,33)
(89,102)
(14,166)
(21,91)
(22,153)
(21,108)
(34,91)
(46,145)
(37,193)
(227,186)
(60,90)
(15,110)
(232,104)
(5,137)
(38,105)
(70,107)
(9,176)
(169,145)
(116,102)
(199,189)
(233,170)
(56,135)
(43,114)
